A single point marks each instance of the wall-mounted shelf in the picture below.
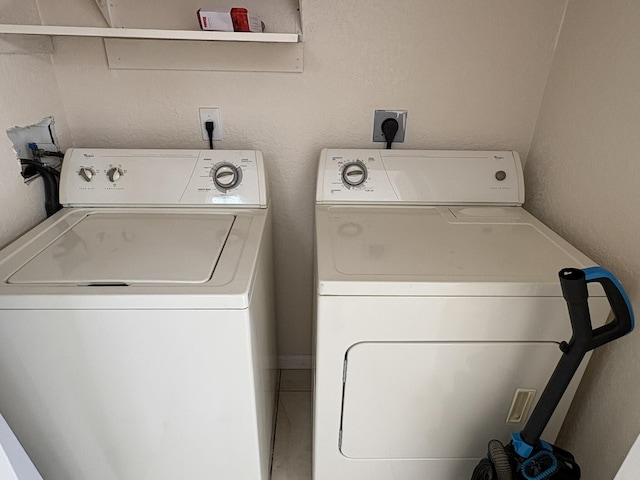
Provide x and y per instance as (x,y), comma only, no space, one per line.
(143,36)
(149,34)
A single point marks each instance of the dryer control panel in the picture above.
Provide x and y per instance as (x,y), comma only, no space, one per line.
(101,177)
(421,177)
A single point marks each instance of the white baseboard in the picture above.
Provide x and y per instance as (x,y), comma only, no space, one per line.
(294,362)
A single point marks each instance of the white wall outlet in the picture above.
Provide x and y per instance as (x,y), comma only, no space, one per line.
(208,113)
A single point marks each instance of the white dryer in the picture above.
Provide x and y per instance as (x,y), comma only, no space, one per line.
(137,336)
(438,312)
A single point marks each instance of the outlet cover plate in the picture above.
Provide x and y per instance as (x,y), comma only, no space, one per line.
(380,116)
(211,113)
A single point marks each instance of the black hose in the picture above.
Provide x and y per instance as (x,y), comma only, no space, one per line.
(49,179)
(496,467)
(484,471)
(500,459)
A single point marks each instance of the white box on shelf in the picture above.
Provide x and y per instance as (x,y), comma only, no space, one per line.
(219,21)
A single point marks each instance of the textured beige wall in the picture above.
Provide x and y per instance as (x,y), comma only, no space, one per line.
(28,93)
(470,73)
(583,179)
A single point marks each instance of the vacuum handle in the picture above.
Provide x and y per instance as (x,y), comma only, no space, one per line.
(623,321)
(574,289)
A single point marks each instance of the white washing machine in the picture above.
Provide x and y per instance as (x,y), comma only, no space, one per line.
(438,312)
(137,336)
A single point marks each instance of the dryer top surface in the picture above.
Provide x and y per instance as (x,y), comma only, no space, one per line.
(438,250)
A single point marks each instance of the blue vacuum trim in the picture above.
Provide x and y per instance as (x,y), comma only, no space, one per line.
(546,473)
(593,273)
(521,447)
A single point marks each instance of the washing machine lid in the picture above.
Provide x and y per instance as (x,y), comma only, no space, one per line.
(134,247)
(476,250)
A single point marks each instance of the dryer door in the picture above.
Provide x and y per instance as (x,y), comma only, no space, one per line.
(439,400)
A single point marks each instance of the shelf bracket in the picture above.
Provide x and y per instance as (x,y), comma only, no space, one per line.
(108,9)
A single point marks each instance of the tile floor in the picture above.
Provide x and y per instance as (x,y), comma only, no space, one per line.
(292,446)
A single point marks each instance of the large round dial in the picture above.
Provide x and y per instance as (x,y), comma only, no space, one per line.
(114,174)
(87,173)
(226,176)
(354,173)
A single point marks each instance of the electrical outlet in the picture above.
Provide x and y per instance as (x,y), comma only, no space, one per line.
(380,116)
(213,114)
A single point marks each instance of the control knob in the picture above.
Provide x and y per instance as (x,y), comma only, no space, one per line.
(87,173)
(226,176)
(354,173)
(114,174)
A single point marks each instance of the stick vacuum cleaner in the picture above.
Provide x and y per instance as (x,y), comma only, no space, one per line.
(527,457)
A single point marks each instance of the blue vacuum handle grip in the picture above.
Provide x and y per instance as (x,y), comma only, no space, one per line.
(623,321)
(574,288)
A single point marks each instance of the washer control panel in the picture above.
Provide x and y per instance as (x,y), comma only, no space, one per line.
(420,177)
(96,177)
